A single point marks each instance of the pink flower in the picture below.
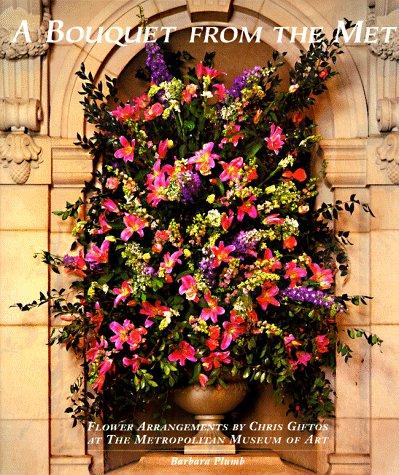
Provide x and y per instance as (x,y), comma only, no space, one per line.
(157,190)
(202,70)
(220,92)
(189,92)
(105,366)
(128,111)
(98,349)
(96,317)
(232,329)
(169,261)
(290,341)
(204,159)
(202,379)
(322,343)
(215,360)
(232,135)
(98,255)
(104,226)
(152,311)
(154,111)
(273,262)
(231,170)
(122,293)
(303,357)
(134,224)
(324,277)
(267,296)
(121,333)
(135,362)
(126,333)
(276,139)
(188,287)
(110,205)
(162,149)
(127,150)
(112,183)
(273,219)
(213,311)
(294,273)
(247,208)
(183,352)
(221,253)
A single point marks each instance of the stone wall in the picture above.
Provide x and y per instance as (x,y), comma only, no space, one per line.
(39,117)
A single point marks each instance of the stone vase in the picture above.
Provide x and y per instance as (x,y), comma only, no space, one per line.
(209,405)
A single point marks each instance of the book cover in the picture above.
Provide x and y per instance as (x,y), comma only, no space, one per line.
(198,230)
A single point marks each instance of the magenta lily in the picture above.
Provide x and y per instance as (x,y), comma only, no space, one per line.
(184,352)
(134,224)
(98,255)
(122,293)
(127,150)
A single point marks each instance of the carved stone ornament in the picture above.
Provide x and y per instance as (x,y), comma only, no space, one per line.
(388,156)
(19,153)
(10,20)
(387,114)
(386,50)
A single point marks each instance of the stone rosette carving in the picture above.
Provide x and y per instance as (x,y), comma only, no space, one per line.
(388,157)
(19,153)
(10,19)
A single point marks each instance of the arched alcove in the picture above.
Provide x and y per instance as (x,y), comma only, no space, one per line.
(342,113)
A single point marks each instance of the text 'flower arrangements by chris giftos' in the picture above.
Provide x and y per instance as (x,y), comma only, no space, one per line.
(201,257)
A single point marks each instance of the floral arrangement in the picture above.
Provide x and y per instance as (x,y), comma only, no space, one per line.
(201,257)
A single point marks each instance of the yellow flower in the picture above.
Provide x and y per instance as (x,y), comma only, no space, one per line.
(211,199)
(147,256)
(187,252)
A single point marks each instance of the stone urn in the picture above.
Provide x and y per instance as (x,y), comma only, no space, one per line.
(209,405)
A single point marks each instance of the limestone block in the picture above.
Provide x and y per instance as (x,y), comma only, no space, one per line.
(59,197)
(65,439)
(215,10)
(345,464)
(24,447)
(357,282)
(385,443)
(352,435)
(65,368)
(24,373)
(384,373)
(384,287)
(24,207)
(352,380)
(359,221)
(22,277)
(75,465)
(384,200)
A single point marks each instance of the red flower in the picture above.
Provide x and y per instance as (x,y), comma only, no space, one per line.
(276,139)
(152,311)
(299,174)
(232,329)
(322,343)
(247,208)
(221,253)
(154,111)
(289,243)
(213,311)
(202,70)
(215,360)
(324,277)
(184,352)
(294,273)
(267,296)
(227,219)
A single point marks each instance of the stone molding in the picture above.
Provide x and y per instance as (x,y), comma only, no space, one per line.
(346,162)
(73,465)
(388,157)
(19,153)
(17,112)
(206,10)
(387,114)
(343,464)
(71,166)
(21,49)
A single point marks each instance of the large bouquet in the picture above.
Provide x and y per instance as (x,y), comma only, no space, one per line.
(201,257)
